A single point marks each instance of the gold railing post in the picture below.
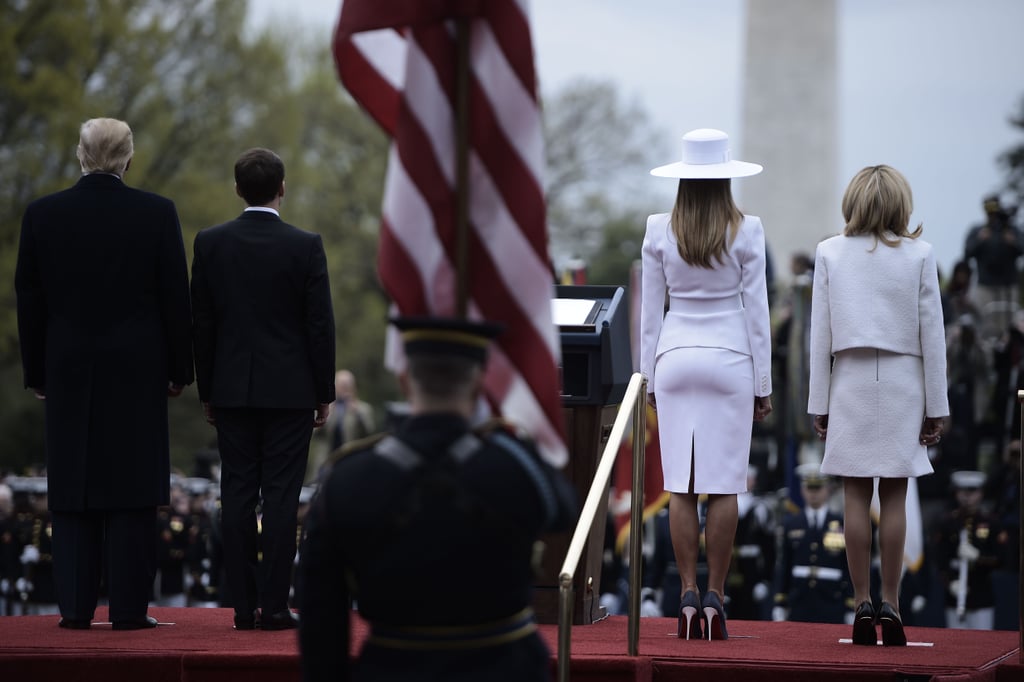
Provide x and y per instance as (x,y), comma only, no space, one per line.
(636,516)
(632,397)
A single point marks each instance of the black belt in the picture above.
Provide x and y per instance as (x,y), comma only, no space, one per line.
(453,637)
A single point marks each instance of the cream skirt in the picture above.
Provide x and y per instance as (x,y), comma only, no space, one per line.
(876,408)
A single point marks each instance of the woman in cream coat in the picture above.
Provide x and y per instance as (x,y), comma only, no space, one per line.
(707,359)
(877,377)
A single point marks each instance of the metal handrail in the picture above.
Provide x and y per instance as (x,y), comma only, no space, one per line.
(633,401)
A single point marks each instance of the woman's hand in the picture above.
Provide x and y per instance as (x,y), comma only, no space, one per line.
(821,425)
(762,407)
(931,430)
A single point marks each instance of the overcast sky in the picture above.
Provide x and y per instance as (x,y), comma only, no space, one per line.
(926,86)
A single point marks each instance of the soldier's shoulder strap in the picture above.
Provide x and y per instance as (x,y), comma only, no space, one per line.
(357,445)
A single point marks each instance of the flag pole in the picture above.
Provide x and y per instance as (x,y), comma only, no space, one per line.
(461,166)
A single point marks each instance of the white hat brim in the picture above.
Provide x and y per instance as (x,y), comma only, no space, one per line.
(707,171)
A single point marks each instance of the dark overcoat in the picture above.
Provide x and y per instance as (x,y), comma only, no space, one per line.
(104,324)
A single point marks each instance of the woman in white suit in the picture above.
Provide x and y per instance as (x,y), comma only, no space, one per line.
(707,359)
(877,377)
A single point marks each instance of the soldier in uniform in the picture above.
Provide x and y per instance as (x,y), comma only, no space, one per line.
(202,573)
(433,531)
(968,552)
(812,581)
(753,557)
(35,586)
(174,538)
(9,550)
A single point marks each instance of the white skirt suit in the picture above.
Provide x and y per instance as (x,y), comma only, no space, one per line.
(707,357)
(877,355)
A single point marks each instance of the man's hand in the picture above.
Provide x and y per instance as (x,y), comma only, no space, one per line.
(39,393)
(322,412)
(208,413)
(173,389)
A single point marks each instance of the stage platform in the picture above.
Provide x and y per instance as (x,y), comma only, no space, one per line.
(201,646)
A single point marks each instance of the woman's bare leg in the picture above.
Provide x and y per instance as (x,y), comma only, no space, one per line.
(892,535)
(857,494)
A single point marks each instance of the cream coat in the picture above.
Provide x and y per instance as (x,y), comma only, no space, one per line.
(741,277)
(883,297)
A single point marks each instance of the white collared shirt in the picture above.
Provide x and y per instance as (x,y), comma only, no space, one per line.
(265,209)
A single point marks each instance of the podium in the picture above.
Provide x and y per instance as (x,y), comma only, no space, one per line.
(593,324)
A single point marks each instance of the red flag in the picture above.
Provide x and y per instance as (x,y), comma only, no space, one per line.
(398,60)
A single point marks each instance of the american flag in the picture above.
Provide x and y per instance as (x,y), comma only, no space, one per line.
(398,60)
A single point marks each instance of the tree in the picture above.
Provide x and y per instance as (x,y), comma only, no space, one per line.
(598,155)
(197,91)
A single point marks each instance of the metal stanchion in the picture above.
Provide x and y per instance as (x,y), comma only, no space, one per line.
(635,392)
(636,516)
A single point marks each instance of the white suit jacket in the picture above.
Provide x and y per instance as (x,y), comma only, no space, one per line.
(722,307)
(883,297)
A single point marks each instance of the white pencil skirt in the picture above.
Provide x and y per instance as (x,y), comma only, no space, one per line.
(876,408)
(705,408)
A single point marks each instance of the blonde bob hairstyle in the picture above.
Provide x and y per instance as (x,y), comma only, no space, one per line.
(878,202)
(705,220)
(105,146)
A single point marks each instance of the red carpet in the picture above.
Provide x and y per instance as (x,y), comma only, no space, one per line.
(202,647)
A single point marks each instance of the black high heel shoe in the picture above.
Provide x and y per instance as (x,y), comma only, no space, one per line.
(689,622)
(892,626)
(714,617)
(864,625)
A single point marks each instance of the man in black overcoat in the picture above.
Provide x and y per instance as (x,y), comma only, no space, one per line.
(263,331)
(103,321)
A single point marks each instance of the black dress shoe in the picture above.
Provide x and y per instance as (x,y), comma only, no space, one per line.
(246,621)
(72,624)
(144,623)
(282,620)
(892,626)
(864,625)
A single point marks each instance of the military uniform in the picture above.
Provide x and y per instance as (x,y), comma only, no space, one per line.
(753,560)
(174,540)
(432,531)
(812,579)
(979,531)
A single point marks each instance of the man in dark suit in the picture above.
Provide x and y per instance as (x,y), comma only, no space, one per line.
(103,320)
(400,518)
(263,331)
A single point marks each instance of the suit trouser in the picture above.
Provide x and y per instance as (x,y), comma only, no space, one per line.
(80,540)
(263,454)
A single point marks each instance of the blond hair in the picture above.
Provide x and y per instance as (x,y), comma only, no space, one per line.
(105,146)
(705,220)
(878,202)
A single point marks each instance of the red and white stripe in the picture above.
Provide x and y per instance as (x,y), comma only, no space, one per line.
(398,60)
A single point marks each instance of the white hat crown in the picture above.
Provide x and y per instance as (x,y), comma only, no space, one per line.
(706,155)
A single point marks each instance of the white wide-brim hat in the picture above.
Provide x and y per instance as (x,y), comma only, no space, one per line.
(705,157)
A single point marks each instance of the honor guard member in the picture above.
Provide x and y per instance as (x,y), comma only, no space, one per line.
(433,531)
(812,581)
(749,583)
(968,553)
